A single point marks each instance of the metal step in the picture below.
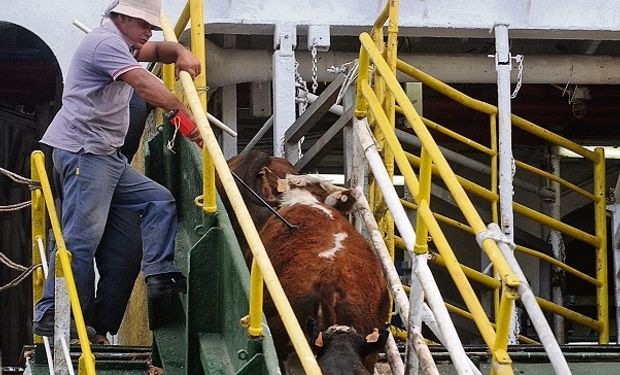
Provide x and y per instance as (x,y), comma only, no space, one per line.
(109,359)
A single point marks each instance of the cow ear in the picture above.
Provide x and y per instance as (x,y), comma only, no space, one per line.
(283,185)
(375,341)
(319,340)
(374,336)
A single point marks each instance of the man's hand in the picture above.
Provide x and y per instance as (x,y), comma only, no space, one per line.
(193,135)
(187,62)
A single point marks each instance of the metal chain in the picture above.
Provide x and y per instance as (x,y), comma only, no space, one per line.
(519,60)
(302,91)
(15,207)
(315,78)
(302,99)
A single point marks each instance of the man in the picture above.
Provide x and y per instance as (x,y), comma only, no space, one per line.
(86,136)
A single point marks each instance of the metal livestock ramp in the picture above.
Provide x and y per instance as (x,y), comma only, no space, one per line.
(207,337)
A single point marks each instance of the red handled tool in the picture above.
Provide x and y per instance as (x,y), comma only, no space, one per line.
(181,121)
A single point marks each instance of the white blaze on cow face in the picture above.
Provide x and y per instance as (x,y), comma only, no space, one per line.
(301,196)
(338,240)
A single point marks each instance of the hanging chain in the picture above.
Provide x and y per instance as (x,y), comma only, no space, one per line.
(315,78)
(519,60)
(302,101)
(302,91)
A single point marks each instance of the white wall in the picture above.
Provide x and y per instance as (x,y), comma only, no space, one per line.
(579,19)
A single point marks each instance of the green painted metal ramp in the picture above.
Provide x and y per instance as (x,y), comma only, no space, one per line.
(208,337)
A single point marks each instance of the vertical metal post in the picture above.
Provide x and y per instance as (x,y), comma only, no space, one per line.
(62,317)
(229,117)
(615,243)
(503,66)
(283,62)
(38,234)
(416,296)
(200,81)
(600,229)
(557,247)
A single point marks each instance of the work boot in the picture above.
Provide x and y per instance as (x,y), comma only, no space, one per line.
(165,284)
(45,326)
(164,303)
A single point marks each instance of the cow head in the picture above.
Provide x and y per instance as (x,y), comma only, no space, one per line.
(260,172)
(341,350)
(324,191)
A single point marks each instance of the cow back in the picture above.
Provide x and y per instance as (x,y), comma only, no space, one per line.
(327,269)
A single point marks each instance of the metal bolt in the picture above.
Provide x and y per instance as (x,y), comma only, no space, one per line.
(242,354)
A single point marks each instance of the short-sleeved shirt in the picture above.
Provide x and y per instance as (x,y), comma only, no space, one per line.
(95,105)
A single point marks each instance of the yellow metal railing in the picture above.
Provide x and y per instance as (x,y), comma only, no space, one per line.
(262,270)
(369,104)
(597,240)
(43,197)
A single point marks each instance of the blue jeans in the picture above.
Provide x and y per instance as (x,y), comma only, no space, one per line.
(94,186)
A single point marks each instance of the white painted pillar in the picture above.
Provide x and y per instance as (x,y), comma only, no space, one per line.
(229,117)
(615,243)
(283,62)
(503,66)
(557,246)
(62,322)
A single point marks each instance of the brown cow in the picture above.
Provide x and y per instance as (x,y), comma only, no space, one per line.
(328,271)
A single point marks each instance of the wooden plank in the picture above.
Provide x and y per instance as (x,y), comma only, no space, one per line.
(314,112)
(319,149)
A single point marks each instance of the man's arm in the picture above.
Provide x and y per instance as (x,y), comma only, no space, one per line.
(154,92)
(168,53)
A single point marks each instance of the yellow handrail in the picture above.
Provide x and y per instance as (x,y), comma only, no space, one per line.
(597,240)
(200,82)
(278,296)
(600,228)
(63,267)
(37,213)
(446,173)
(495,284)
(501,360)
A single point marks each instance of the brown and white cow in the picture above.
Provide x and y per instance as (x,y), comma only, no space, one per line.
(341,350)
(328,271)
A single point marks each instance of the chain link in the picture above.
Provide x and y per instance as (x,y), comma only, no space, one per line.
(315,82)
(519,60)
(302,90)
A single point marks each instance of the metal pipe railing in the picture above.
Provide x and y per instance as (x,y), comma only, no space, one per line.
(200,83)
(87,359)
(278,296)
(492,283)
(442,327)
(596,240)
(446,173)
(600,228)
